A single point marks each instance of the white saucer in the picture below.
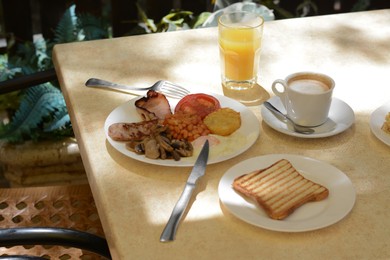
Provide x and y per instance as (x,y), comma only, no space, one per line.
(376,121)
(341,117)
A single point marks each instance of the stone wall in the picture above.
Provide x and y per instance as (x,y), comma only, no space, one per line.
(42,163)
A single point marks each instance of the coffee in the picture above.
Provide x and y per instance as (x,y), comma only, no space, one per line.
(308,86)
(306,96)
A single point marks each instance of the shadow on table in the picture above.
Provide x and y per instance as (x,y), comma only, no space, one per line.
(251,97)
(307,143)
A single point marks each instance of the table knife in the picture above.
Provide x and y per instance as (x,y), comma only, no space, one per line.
(198,171)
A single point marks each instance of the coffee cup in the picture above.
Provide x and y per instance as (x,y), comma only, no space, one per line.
(306,96)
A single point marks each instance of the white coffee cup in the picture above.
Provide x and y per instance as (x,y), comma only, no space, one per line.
(307,97)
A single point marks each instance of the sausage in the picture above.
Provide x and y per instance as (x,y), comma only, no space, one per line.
(132,131)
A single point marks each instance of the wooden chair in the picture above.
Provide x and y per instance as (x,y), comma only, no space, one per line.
(63,217)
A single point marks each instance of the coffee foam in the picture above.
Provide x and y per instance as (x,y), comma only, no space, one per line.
(308,86)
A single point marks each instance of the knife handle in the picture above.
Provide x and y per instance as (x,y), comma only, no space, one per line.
(170,229)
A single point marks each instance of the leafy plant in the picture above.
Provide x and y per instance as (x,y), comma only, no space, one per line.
(361,5)
(173,21)
(10,101)
(40,112)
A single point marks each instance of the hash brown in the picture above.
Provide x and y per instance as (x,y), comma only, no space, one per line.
(224,121)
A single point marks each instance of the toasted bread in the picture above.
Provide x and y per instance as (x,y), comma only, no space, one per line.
(386,124)
(279,189)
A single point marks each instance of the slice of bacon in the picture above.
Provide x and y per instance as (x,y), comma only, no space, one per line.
(154,105)
(132,131)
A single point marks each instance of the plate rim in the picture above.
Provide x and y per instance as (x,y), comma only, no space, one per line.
(293,225)
(265,112)
(189,162)
(375,126)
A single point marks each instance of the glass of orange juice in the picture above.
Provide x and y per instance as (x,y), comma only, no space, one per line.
(239,39)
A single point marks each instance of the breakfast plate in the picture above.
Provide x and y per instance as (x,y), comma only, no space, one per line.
(229,146)
(341,117)
(376,121)
(310,216)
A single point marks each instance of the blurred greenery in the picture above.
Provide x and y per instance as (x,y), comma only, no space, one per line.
(175,20)
(40,112)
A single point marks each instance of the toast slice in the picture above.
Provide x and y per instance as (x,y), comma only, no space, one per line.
(279,189)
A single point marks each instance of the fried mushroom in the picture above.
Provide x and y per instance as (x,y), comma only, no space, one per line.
(161,146)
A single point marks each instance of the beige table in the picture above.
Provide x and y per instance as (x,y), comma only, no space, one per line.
(135,199)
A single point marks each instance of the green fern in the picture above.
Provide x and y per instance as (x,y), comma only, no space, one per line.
(80,27)
(43,54)
(8,101)
(41,112)
(6,71)
(91,27)
(66,30)
(60,120)
(42,109)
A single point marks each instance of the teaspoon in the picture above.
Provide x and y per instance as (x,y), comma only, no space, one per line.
(297,128)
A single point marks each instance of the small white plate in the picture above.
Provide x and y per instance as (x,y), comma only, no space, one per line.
(229,146)
(376,121)
(341,117)
(310,216)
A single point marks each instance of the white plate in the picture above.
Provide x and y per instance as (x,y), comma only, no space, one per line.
(341,117)
(229,147)
(376,121)
(310,216)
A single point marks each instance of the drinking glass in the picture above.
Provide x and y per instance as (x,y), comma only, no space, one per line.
(239,36)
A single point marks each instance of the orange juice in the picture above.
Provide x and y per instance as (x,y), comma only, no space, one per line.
(240,53)
(239,44)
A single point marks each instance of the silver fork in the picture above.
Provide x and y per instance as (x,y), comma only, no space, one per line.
(165,87)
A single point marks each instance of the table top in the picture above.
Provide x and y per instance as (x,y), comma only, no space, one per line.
(135,199)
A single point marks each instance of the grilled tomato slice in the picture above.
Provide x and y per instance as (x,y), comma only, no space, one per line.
(200,104)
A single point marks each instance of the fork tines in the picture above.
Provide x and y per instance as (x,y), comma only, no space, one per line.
(172,89)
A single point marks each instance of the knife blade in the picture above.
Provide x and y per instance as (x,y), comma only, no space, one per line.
(198,171)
